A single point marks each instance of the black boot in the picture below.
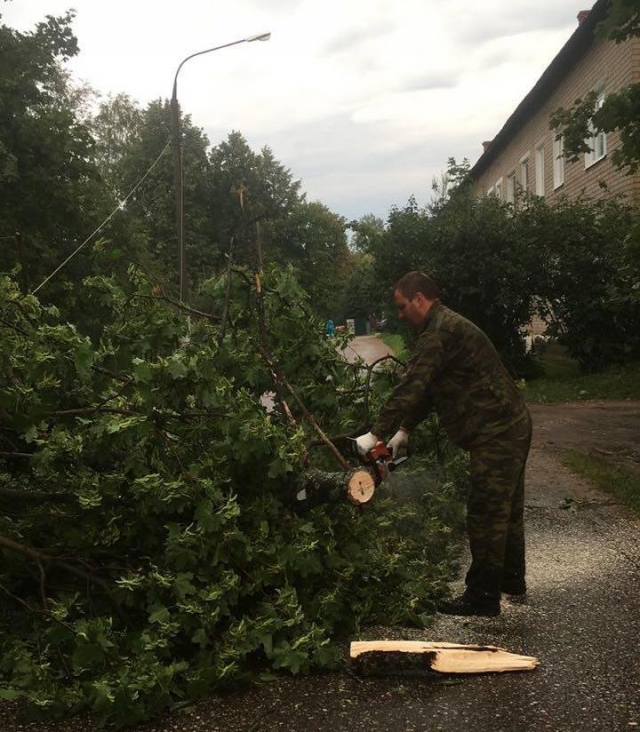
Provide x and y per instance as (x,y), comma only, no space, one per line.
(514,585)
(484,606)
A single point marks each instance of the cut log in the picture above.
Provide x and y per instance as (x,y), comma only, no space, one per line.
(449,658)
(361,487)
(316,486)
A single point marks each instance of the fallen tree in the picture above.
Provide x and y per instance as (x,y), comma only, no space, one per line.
(151,543)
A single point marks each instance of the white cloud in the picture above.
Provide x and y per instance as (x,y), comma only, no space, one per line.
(364,101)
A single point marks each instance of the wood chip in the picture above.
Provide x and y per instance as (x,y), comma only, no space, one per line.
(452,658)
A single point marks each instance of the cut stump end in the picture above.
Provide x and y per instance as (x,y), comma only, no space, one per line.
(361,487)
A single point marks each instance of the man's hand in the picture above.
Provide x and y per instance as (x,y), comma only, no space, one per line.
(365,443)
(398,443)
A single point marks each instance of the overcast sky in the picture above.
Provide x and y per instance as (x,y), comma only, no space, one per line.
(362,100)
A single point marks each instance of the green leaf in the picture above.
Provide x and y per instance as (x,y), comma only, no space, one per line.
(158,614)
(84,357)
(9,694)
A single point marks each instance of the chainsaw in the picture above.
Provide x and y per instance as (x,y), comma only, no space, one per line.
(360,483)
(378,464)
(379,460)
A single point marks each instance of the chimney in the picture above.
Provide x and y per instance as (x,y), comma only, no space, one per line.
(486,145)
(582,16)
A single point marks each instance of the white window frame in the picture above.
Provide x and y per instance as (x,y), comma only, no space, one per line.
(524,172)
(498,188)
(558,162)
(597,142)
(510,188)
(540,182)
(491,191)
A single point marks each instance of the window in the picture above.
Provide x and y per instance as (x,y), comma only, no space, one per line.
(491,191)
(558,162)
(597,142)
(524,173)
(511,188)
(498,188)
(540,170)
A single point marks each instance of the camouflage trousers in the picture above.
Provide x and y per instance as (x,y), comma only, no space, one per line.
(495,511)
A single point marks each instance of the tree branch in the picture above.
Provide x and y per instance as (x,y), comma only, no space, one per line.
(227,296)
(307,415)
(36,555)
(28,607)
(179,305)
(14,327)
(34,496)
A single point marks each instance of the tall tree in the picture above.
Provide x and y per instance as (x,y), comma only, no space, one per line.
(367,230)
(313,239)
(248,187)
(129,142)
(50,193)
(117,129)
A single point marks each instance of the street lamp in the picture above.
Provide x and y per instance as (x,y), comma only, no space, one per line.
(177,158)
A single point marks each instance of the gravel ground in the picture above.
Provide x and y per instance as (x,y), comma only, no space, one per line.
(580,619)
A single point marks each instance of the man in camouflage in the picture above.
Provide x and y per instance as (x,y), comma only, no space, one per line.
(456,371)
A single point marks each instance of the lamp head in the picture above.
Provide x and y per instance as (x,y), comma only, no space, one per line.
(259,37)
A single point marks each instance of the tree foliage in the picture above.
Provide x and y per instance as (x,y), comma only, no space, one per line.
(486,270)
(590,289)
(576,263)
(49,182)
(313,240)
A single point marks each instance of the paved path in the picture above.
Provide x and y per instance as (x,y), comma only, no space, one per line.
(369,348)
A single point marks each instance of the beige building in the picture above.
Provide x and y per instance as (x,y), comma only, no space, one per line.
(525,154)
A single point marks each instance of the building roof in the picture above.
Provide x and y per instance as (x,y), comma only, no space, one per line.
(572,51)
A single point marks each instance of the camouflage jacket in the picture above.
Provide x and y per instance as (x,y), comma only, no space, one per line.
(455,370)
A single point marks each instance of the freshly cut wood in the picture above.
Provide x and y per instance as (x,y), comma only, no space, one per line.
(451,658)
(361,487)
(316,486)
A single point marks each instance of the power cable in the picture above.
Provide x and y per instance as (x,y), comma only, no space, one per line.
(119,207)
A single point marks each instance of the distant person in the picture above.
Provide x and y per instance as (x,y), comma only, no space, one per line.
(456,371)
(330,328)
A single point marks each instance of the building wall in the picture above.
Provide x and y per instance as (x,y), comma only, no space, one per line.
(606,66)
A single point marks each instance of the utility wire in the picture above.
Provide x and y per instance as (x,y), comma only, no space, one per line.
(119,207)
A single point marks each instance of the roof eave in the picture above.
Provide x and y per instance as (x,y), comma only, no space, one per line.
(572,51)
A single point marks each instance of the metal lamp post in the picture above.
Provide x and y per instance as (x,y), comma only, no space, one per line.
(177,159)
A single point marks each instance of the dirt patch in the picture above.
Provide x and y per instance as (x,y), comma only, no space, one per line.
(605,429)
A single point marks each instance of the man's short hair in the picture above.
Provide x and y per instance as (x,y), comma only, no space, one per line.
(414,282)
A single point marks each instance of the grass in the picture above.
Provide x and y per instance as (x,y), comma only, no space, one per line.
(396,343)
(563,382)
(619,481)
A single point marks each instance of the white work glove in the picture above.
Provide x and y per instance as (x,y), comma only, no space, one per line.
(398,443)
(365,443)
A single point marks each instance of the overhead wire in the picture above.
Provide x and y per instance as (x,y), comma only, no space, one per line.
(119,207)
